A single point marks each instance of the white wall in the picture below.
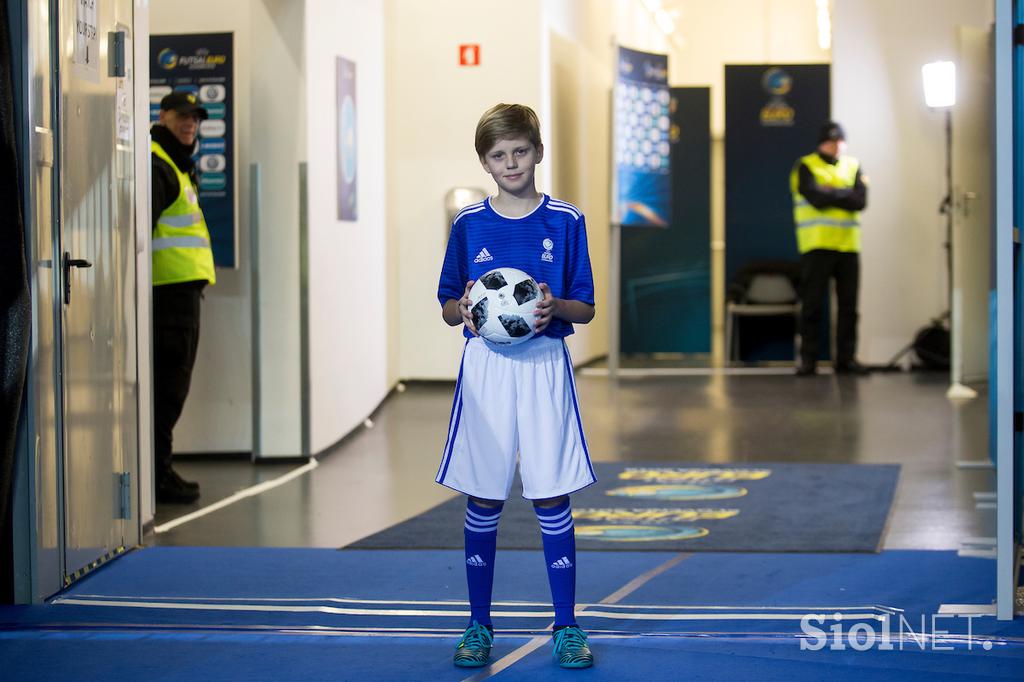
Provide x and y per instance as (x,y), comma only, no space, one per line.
(217,414)
(347,273)
(269,85)
(710,35)
(278,141)
(285,86)
(579,55)
(433,106)
(878,50)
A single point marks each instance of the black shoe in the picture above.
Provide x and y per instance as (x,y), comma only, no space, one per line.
(170,491)
(806,370)
(851,367)
(182,482)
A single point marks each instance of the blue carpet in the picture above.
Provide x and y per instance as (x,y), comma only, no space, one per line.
(308,614)
(690,508)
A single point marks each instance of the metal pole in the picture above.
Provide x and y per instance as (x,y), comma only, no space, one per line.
(255,189)
(304,361)
(948,209)
(614,314)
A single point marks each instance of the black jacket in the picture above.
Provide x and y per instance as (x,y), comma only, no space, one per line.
(165,181)
(851,199)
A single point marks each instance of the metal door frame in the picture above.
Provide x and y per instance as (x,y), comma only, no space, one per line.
(1002,371)
(34,576)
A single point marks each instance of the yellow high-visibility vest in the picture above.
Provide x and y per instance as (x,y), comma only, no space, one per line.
(835,229)
(181,242)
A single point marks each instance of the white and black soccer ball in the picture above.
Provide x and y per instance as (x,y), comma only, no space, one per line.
(504,300)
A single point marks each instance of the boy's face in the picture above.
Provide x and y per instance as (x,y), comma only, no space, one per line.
(512,163)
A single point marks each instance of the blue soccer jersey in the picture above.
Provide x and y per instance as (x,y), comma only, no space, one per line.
(549,244)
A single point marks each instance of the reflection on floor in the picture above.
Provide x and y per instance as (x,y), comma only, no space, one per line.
(383,475)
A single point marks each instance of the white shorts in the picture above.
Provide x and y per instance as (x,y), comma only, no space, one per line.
(513,400)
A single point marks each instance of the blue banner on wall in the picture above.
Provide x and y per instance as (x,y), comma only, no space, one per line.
(203,64)
(772,116)
(643,193)
(666,274)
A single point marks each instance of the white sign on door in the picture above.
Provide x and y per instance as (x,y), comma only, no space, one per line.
(87,37)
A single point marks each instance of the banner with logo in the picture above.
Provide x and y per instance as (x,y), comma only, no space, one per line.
(642,195)
(772,116)
(203,64)
(666,274)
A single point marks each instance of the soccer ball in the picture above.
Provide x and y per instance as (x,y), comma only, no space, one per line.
(503,303)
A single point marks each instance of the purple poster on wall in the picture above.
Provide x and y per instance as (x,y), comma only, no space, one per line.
(347,166)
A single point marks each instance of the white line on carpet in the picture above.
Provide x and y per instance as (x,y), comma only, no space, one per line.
(640,372)
(968,609)
(593,611)
(463,603)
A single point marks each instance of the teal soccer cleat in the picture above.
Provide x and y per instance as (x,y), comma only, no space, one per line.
(571,650)
(474,649)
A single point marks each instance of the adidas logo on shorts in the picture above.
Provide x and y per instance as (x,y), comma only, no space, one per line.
(483,256)
(475,560)
(562,563)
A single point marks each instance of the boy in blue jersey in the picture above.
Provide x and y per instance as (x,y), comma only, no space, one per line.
(518,400)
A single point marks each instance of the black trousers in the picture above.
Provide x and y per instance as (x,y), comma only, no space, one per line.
(816,269)
(175,340)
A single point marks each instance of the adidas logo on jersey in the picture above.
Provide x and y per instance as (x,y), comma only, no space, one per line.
(483,256)
(475,560)
(562,563)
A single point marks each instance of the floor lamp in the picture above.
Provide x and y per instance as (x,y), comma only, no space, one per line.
(939,80)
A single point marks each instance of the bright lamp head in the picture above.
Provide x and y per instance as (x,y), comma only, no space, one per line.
(939,84)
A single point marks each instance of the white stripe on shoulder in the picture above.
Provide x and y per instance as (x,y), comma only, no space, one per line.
(563,209)
(559,204)
(472,208)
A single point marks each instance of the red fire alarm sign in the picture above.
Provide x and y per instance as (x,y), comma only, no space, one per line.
(469,55)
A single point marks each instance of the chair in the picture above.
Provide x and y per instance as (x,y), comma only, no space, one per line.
(761,290)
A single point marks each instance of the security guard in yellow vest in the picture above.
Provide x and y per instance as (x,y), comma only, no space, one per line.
(182,267)
(829,192)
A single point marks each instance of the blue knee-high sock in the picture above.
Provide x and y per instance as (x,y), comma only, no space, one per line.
(559,537)
(481,542)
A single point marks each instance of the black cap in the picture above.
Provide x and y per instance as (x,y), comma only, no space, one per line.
(830,132)
(184,103)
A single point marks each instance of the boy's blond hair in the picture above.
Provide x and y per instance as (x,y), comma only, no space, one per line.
(505,121)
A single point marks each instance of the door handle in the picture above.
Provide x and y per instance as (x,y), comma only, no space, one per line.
(69,263)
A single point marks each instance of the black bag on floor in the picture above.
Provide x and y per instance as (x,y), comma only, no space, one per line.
(931,346)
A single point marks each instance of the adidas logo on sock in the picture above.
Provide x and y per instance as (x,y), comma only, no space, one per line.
(475,560)
(483,256)
(562,563)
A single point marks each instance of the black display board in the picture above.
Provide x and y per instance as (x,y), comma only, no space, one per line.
(203,64)
(772,116)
